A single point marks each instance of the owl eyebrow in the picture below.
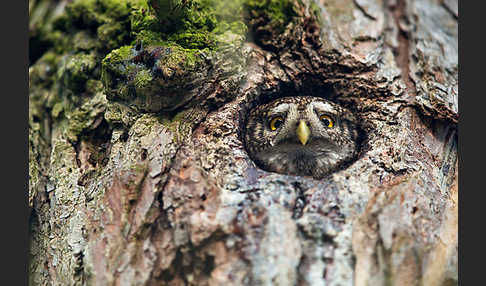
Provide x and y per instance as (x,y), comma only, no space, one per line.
(273,114)
(331,113)
(280,108)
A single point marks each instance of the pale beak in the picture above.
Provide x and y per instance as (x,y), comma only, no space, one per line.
(303,132)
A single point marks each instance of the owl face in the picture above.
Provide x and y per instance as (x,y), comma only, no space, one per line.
(307,136)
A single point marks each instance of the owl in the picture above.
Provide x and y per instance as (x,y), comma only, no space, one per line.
(301,135)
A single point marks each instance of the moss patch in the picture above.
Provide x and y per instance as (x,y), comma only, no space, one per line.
(142,78)
(85,117)
(75,71)
(152,78)
(90,29)
(95,44)
(196,24)
(278,12)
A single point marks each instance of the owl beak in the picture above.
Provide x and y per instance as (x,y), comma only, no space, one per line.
(303,132)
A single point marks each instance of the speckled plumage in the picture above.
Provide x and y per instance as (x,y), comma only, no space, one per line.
(281,151)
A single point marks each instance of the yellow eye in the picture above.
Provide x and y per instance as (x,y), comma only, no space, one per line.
(276,122)
(326,120)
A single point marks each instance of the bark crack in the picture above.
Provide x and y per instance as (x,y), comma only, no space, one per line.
(300,201)
(450,10)
(284,68)
(364,10)
(402,52)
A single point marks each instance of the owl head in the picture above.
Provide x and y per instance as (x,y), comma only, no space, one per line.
(307,136)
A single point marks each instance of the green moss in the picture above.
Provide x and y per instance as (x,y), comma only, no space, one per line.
(61,42)
(179,125)
(94,86)
(34,168)
(82,118)
(194,39)
(278,12)
(84,41)
(203,22)
(120,114)
(142,78)
(149,38)
(237,27)
(199,23)
(108,21)
(50,58)
(109,36)
(171,13)
(114,69)
(316,11)
(113,64)
(142,19)
(75,71)
(110,30)
(175,62)
(120,54)
(81,13)
(93,13)
(180,59)
(42,75)
(57,109)
(99,26)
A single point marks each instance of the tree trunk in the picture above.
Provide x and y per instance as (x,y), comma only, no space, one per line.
(138,173)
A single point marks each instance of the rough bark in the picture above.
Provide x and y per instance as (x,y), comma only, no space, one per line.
(145,181)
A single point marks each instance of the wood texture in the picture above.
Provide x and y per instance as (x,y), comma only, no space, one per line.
(146,196)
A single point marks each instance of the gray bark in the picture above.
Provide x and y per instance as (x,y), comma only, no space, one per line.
(147,194)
